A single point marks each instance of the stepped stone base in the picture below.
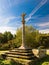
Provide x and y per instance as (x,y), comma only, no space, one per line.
(21,55)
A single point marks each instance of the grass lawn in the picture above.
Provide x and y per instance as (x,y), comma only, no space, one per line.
(4,62)
(8,62)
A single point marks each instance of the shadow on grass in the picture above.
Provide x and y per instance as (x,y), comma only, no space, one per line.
(41,61)
(12,62)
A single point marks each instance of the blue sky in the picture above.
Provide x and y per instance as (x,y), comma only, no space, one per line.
(37,14)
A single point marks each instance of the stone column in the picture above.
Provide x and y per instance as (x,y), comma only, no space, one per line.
(23,30)
(23,46)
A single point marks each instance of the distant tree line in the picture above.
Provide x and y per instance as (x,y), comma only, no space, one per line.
(33,39)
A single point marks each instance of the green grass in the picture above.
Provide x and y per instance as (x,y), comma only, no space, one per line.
(4,62)
(43,61)
(8,62)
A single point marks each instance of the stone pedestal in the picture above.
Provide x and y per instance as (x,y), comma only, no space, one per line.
(23,56)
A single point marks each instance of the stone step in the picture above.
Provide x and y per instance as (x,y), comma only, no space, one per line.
(19,56)
(21,50)
(20,53)
(17,53)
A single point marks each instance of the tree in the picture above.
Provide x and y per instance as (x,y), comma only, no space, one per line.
(1,38)
(7,36)
(44,40)
(30,36)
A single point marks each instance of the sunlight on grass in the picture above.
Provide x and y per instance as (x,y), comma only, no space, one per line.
(2,52)
(45,63)
(6,61)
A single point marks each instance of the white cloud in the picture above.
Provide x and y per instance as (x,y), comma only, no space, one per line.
(38,6)
(6,20)
(7,4)
(43,27)
(4,24)
(44,31)
(11,29)
(36,9)
(43,24)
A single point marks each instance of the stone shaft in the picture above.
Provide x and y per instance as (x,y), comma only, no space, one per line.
(23,30)
(23,35)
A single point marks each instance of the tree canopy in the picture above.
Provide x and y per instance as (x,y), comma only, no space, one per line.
(33,38)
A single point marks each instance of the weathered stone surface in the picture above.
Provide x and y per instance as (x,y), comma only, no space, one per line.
(40,53)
